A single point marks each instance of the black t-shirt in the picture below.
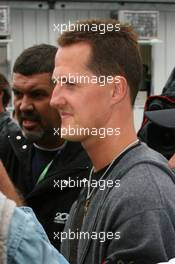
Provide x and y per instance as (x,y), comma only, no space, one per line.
(41,158)
(78,219)
(39,161)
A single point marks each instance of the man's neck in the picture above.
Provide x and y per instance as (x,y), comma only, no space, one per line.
(103,151)
(50,143)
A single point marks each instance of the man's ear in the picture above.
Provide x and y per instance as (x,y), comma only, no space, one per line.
(120,88)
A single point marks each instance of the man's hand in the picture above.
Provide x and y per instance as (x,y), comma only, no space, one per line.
(171,162)
(6,186)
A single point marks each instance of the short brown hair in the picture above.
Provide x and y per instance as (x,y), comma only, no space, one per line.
(113,53)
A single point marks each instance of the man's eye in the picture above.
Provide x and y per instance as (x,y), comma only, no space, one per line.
(37,95)
(17,93)
(70,84)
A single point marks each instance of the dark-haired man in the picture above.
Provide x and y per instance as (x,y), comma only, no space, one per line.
(127,212)
(38,160)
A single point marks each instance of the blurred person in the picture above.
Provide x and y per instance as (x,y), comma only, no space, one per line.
(159,137)
(164,118)
(37,159)
(22,238)
(5,94)
(132,220)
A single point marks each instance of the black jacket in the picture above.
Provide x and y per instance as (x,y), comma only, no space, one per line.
(50,204)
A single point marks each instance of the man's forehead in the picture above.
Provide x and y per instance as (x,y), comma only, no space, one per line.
(72,58)
(73,52)
(39,79)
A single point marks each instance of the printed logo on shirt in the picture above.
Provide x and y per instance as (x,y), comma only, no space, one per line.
(61,218)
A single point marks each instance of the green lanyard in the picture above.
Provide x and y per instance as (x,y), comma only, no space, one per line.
(44,172)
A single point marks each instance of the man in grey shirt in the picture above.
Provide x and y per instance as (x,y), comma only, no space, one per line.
(126,213)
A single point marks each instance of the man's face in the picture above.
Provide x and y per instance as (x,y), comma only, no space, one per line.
(32,96)
(80,104)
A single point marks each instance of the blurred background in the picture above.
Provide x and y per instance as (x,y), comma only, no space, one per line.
(25,23)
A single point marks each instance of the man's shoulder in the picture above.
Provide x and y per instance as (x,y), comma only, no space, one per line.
(11,135)
(15,149)
(145,184)
(7,125)
(140,158)
(144,154)
(143,167)
(4,119)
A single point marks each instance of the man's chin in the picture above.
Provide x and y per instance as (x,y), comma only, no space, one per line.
(70,137)
(73,133)
(32,136)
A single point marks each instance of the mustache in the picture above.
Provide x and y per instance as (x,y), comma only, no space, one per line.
(29,116)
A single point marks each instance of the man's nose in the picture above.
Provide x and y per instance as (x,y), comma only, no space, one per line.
(57,99)
(26,104)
